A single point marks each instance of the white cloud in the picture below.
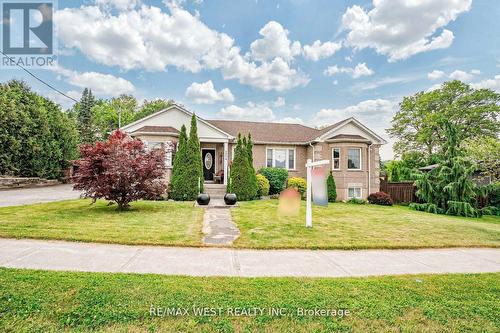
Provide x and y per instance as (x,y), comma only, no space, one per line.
(101,84)
(118,4)
(317,51)
(249,112)
(279,102)
(434,75)
(205,93)
(400,29)
(276,75)
(290,120)
(461,75)
(356,72)
(455,75)
(275,43)
(148,38)
(493,84)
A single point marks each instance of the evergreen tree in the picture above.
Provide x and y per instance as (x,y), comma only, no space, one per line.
(37,139)
(84,117)
(249,149)
(178,178)
(243,180)
(448,188)
(195,161)
(331,188)
(187,176)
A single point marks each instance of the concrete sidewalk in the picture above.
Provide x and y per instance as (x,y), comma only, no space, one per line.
(89,257)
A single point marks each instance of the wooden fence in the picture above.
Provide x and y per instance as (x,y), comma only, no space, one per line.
(399,192)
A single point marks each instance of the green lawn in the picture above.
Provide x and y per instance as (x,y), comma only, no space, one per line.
(41,301)
(147,222)
(351,226)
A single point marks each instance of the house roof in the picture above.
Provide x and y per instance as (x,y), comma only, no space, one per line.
(268,132)
(157,129)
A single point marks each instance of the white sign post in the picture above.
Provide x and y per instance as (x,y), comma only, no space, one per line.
(309,166)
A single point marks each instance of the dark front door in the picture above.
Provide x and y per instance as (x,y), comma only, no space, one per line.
(208,158)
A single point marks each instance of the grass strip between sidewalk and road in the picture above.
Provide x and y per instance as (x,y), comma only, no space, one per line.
(42,301)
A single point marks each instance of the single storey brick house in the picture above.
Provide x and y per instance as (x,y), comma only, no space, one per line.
(351,147)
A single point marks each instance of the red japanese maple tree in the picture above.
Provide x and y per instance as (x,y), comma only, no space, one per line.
(120,170)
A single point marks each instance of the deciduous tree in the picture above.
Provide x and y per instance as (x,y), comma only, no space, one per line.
(418,125)
(120,170)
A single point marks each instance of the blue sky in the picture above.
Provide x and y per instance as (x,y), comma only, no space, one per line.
(314,62)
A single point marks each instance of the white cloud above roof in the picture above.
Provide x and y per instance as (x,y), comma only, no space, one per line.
(250,112)
(147,38)
(100,83)
(275,43)
(400,29)
(205,93)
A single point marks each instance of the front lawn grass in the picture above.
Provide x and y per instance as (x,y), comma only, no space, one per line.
(41,301)
(351,226)
(147,222)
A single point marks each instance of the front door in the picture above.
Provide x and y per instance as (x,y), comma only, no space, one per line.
(208,158)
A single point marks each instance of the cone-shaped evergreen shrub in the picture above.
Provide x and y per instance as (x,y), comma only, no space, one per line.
(187,175)
(331,188)
(243,181)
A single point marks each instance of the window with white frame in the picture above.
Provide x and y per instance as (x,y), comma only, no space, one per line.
(354,159)
(354,192)
(336,158)
(168,147)
(169,153)
(281,158)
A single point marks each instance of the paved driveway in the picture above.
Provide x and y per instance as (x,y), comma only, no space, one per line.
(28,196)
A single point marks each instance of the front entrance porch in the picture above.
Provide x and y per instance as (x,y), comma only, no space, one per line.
(215,161)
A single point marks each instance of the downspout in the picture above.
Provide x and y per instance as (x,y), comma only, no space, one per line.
(310,144)
(369,167)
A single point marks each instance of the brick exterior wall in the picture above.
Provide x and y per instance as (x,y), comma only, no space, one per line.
(343,177)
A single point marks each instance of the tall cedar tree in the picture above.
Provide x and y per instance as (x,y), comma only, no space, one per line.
(120,170)
(331,188)
(37,139)
(253,175)
(84,117)
(187,177)
(196,164)
(178,181)
(243,184)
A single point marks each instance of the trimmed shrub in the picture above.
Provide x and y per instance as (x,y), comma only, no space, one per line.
(331,188)
(356,201)
(380,198)
(277,178)
(299,183)
(262,185)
